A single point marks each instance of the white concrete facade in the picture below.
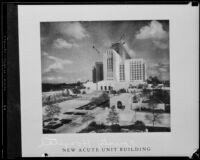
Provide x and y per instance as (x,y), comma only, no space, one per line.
(120,72)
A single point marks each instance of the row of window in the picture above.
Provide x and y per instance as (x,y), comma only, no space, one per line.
(121,72)
(110,66)
(106,88)
(136,78)
(136,72)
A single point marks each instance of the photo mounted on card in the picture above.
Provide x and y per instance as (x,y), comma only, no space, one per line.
(99,82)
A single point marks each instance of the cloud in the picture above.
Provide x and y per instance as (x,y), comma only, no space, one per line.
(153,31)
(163,65)
(43,40)
(154,65)
(60,60)
(73,29)
(52,79)
(54,66)
(153,72)
(161,70)
(61,43)
(57,65)
(44,54)
(160,44)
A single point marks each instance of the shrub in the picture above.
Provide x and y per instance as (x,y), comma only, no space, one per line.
(52,110)
(119,104)
(76,91)
(167,108)
(140,86)
(56,126)
(140,125)
(113,116)
(122,90)
(115,128)
(65,121)
(93,124)
(113,92)
(46,131)
(79,113)
(83,92)
(101,126)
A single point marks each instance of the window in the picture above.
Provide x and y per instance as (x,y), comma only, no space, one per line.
(109,65)
(121,72)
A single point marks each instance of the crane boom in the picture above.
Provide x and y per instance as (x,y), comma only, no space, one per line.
(122,37)
(96,49)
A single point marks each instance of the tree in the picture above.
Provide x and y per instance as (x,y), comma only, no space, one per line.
(113,116)
(76,91)
(52,110)
(140,86)
(153,80)
(122,90)
(113,92)
(162,96)
(146,92)
(140,125)
(78,83)
(65,93)
(83,92)
(155,116)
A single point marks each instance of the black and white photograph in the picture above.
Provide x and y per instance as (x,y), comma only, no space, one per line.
(108,80)
(105,76)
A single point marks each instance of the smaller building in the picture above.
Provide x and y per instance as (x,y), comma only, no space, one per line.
(116,85)
(89,86)
(97,72)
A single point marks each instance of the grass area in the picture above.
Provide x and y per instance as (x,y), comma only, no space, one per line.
(69,113)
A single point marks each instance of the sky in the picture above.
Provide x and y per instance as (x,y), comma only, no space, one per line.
(67,53)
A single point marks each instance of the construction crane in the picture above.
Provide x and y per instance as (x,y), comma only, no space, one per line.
(122,38)
(96,49)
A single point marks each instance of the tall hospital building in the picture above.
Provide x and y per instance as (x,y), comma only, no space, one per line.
(120,70)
